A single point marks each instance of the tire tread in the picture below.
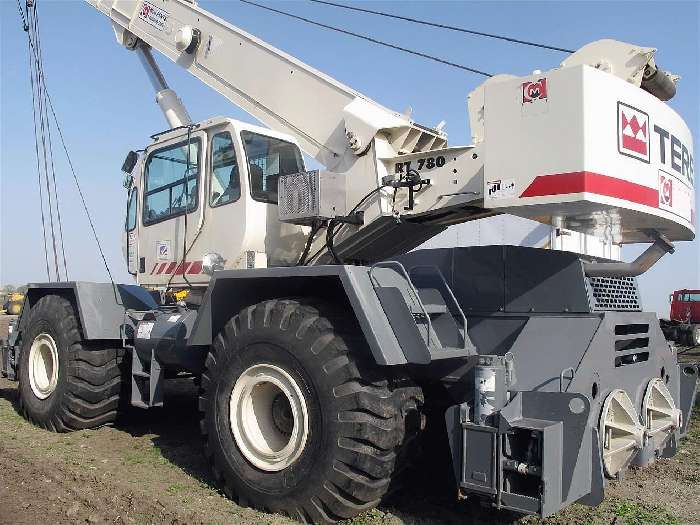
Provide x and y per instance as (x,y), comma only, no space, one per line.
(372,411)
(93,374)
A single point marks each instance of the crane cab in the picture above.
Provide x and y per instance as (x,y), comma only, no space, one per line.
(203,198)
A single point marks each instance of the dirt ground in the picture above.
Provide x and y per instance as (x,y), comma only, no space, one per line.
(149,468)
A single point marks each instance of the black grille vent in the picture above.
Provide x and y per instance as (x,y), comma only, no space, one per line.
(614,294)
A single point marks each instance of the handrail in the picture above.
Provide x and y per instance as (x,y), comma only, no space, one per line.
(451,297)
(402,270)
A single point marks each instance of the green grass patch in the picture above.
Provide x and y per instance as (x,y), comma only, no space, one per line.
(147,456)
(371,517)
(643,514)
(176,488)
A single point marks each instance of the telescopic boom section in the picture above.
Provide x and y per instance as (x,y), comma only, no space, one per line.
(327,118)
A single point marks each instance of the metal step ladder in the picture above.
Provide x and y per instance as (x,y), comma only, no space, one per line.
(146,381)
(422,311)
(147,374)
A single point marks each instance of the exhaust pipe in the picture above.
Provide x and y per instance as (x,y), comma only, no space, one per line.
(641,264)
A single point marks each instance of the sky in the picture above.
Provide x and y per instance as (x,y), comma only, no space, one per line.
(106,104)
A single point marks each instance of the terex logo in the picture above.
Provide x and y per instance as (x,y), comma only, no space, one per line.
(632,132)
(674,153)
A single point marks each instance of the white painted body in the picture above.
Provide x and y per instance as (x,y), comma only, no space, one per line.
(573,129)
(245,232)
(515,231)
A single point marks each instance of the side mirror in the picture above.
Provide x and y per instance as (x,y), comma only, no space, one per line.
(130,161)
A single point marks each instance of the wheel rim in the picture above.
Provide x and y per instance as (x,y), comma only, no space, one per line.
(43,366)
(622,436)
(269,417)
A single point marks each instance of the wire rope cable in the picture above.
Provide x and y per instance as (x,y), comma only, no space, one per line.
(37,76)
(444,26)
(370,39)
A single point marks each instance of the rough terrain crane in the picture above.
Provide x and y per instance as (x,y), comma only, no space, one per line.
(324,347)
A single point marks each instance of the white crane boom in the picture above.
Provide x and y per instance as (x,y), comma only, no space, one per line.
(274,87)
(571,146)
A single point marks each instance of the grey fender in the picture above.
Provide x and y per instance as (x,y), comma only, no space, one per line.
(350,287)
(101,307)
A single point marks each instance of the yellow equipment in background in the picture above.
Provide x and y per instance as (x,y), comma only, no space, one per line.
(13,303)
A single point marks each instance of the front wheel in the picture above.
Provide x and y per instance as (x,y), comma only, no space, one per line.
(65,385)
(297,417)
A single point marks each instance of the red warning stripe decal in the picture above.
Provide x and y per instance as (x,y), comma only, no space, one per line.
(589,182)
(167,268)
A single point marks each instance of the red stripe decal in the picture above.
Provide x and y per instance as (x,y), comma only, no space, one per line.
(179,268)
(182,268)
(154,268)
(195,267)
(588,182)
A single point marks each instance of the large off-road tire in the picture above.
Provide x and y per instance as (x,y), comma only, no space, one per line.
(64,383)
(297,417)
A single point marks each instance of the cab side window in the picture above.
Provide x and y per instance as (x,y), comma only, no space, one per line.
(130,222)
(171,186)
(225,185)
(268,158)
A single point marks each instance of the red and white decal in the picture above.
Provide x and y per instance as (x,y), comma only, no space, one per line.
(153,15)
(632,132)
(665,190)
(536,90)
(589,182)
(169,268)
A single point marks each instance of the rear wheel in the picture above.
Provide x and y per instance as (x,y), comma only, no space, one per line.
(64,384)
(297,417)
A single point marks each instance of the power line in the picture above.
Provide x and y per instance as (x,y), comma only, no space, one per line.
(51,157)
(370,39)
(40,77)
(80,191)
(25,26)
(44,124)
(444,26)
(38,165)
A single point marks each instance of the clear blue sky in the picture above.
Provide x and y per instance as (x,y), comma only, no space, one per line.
(107,107)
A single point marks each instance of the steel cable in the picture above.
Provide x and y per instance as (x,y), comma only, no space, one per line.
(33,51)
(50,152)
(370,39)
(444,26)
(40,102)
(38,166)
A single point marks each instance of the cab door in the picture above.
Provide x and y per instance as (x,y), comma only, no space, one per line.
(171,208)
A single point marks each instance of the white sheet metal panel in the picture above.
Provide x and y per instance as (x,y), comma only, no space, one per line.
(514,231)
(578,144)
